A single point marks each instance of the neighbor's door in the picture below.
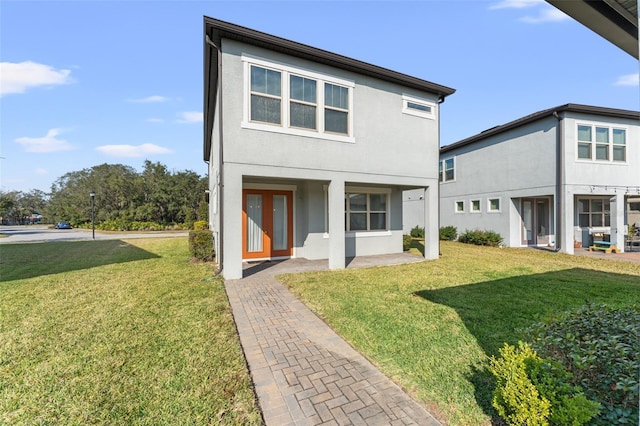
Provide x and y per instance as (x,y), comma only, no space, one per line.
(267,224)
(535,221)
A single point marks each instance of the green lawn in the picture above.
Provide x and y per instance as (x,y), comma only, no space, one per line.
(117,332)
(431,326)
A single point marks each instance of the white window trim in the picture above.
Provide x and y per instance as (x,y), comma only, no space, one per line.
(406,99)
(471,210)
(365,190)
(610,127)
(444,170)
(286,71)
(489,209)
(455,207)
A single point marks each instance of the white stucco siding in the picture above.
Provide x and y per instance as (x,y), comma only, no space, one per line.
(382,134)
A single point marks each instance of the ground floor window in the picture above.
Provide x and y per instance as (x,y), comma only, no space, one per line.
(593,212)
(366,211)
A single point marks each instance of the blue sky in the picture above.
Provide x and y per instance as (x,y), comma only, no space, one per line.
(91,82)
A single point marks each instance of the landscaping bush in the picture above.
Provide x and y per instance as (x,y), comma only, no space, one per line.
(200,225)
(417,232)
(535,391)
(406,242)
(448,233)
(201,245)
(481,238)
(516,398)
(125,225)
(599,346)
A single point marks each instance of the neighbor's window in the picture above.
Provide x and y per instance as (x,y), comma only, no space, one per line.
(418,107)
(459,206)
(619,145)
(475,205)
(593,212)
(634,206)
(266,90)
(494,204)
(601,143)
(366,211)
(447,170)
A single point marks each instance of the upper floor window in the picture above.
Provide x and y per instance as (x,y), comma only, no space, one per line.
(295,101)
(266,95)
(418,107)
(447,170)
(601,143)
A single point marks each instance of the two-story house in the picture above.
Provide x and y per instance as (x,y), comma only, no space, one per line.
(552,178)
(309,151)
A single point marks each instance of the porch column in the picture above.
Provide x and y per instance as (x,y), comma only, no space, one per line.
(431,227)
(336,225)
(617,206)
(232,217)
(566,217)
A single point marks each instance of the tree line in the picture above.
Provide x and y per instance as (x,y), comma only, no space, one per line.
(121,194)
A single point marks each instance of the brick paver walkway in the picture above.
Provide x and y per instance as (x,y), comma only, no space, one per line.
(303,372)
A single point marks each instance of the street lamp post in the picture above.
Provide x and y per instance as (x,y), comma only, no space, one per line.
(92,194)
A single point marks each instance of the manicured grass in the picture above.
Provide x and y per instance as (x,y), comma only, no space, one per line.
(117,332)
(431,326)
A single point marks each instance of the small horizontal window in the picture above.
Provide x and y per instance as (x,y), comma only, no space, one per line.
(475,205)
(494,204)
(418,107)
(459,206)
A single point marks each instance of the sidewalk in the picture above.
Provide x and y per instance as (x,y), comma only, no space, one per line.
(303,372)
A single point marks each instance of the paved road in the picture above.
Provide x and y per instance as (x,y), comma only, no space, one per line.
(41,233)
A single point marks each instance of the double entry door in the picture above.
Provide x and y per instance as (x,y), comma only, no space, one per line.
(535,221)
(267,224)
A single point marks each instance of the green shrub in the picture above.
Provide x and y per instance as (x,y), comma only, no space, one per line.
(481,238)
(599,345)
(535,391)
(448,233)
(200,225)
(201,245)
(406,242)
(516,398)
(126,225)
(417,232)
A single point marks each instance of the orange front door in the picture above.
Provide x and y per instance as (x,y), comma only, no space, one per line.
(267,223)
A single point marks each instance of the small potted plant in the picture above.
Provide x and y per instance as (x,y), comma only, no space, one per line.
(577,244)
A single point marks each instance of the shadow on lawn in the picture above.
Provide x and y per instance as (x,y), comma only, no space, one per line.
(20,261)
(497,311)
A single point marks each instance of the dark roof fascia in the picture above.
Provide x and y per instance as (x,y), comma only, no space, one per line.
(577,108)
(608,18)
(221,29)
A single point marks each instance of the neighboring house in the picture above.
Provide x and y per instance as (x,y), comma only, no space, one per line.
(309,151)
(552,178)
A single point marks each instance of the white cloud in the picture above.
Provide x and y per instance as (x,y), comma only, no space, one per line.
(628,80)
(40,171)
(18,77)
(191,117)
(515,4)
(48,143)
(546,15)
(155,120)
(150,99)
(132,150)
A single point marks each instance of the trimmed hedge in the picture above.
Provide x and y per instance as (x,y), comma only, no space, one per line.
(201,245)
(481,238)
(448,233)
(406,242)
(417,232)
